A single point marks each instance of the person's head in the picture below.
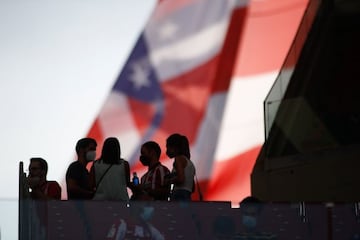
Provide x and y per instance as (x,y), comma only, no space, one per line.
(177,144)
(150,153)
(86,149)
(250,208)
(38,168)
(111,151)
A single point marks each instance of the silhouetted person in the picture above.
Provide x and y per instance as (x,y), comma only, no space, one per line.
(183,172)
(152,185)
(40,187)
(78,179)
(111,174)
(77,176)
(250,209)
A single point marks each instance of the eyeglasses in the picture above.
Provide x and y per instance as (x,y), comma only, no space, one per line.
(34,168)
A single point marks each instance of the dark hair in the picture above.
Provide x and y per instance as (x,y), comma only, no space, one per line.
(43,164)
(84,143)
(154,146)
(111,151)
(180,142)
(251,201)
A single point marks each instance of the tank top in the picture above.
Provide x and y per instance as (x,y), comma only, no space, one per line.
(113,185)
(189,173)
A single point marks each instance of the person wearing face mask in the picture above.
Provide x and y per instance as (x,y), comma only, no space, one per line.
(251,208)
(77,176)
(152,184)
(40,187)
(110,174)
(183,172)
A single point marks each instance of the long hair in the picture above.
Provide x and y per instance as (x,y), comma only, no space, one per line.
(111,151)
(180,142)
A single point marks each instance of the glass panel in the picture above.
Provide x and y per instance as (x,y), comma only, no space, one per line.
(282,81)
(8,219)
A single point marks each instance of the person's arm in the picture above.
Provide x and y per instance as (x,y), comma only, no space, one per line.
(36,193)
(53,191)
(162,188)
(179,165)
(127,174)
(92,177)
(73,187)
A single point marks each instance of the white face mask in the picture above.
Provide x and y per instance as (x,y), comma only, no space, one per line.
(90,156)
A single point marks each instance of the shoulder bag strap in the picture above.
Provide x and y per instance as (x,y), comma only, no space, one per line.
(102,176)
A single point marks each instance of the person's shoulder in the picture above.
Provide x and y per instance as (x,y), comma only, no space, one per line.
(165,168)
(74,164)
(74,168)
(181,159)
(126,163)
(53,184)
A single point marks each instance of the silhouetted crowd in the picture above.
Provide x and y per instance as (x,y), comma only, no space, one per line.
(109,176)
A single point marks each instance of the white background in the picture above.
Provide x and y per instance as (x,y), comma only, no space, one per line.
(58,62)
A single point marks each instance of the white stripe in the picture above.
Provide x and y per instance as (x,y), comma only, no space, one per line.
(238,114)
(116,121)
(203,150)
(189,52)
(243,124)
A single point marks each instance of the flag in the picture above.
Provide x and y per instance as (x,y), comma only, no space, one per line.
(202,69)
(176,80)
(268,34)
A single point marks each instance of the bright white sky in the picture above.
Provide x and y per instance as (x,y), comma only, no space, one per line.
(58,61)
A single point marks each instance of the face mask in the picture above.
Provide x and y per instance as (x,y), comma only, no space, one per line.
(249,221)
(170,154)
(147,213)
(90,156)
(145,160)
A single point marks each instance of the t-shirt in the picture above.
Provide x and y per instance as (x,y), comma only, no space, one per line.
(80,174)
(113,184)
(155,178)
(52,189)
(189,172)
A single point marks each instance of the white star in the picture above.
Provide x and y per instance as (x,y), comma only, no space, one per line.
(167,30)
(140,76)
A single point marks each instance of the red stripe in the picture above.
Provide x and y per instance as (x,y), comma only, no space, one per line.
(270,28)
(96,133)
(230,179)
(229,51)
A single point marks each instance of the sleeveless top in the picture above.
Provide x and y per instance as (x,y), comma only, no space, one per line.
(189,174)
(113,184)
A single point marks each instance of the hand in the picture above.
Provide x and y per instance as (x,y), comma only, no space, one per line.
(33,182)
